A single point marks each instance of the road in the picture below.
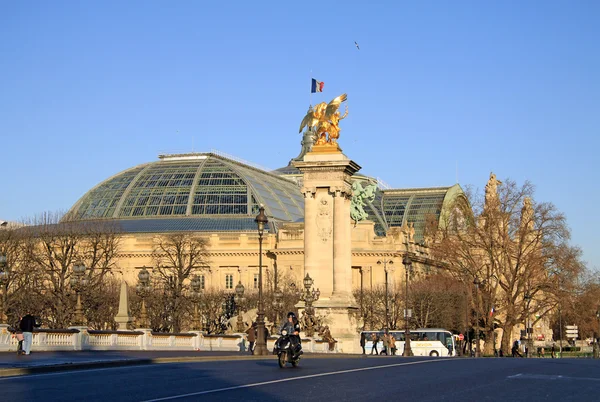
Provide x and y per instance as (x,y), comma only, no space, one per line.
(327,379)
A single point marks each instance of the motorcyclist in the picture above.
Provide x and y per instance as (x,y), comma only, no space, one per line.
(292,326)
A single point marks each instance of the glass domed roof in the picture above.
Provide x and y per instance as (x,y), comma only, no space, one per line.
(214,192)
(201,185)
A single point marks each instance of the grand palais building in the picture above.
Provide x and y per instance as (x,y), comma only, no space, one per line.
(218,197)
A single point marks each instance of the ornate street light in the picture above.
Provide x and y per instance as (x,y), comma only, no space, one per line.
(143,289)
(477,282)
(309,297)
(385,268)
(239,304)
(277,303)
(598,319)
(261,343)
(3,282)
(527,297)
(407,261)
(196,284)
(78,283)
(597,338)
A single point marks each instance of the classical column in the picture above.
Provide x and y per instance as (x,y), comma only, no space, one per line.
(310,231)
(342,279)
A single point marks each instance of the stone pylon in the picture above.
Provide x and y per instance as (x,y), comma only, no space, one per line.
(123,317)
(327,190)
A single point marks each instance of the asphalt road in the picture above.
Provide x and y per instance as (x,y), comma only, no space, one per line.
(328,379)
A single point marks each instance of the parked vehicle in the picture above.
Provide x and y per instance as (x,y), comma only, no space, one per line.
(423,342)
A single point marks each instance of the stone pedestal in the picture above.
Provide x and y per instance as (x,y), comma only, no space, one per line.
(327,238)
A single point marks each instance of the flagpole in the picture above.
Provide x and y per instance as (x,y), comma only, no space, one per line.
(310,91)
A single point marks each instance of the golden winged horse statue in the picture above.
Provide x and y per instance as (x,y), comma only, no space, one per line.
(326,118)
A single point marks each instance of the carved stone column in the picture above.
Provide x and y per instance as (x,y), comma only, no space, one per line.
(342,247)
(327,240)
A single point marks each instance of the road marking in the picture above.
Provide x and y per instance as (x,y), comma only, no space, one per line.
(67,372)
(548,377)
(258,384)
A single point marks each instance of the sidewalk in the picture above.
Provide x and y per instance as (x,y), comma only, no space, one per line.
(12,364)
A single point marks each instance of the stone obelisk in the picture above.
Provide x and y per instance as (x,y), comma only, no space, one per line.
(123,318)
(327,190)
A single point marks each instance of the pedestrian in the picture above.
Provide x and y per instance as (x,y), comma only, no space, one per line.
(375,341)
(515,349)
(392,341)
(386,344)
(553,351)
(251,337)
(27,324)
(363,341)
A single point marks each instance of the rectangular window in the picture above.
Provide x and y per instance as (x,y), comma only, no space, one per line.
(202,282)
(255,281)
(228,281)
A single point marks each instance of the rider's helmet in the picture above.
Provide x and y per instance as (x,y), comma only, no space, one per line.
(291,314)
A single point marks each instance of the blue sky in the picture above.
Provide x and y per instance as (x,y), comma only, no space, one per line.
(88,89)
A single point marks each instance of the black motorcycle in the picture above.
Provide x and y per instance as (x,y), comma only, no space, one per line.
(284,352)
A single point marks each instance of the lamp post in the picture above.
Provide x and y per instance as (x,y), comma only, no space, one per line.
(598,319)
(385,268)
(407,261)
(78,282)
(239,302)
(143,289)
(3,282)
(597,335)
(527,298)
(309,297)
(261,343)
(362,311)
(196,284)
(277,303)
(477,282)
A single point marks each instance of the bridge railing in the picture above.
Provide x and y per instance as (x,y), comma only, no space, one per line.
(82,338)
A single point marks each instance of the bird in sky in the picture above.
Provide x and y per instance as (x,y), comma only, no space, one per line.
(356,45)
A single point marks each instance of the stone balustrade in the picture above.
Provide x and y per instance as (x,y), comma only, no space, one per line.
(82,338)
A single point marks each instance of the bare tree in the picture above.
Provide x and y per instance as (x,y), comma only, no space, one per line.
(177,257)
(516,248)
(53,247)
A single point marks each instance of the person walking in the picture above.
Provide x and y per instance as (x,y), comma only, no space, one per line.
(515,349)
(27,324)
(375,341)
(392,342)
(386,344)
(363,342)
(251,337)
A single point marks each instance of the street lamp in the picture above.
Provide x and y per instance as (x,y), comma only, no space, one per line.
(196,284)
(597,337)
(143,289)
(477,282)
(3,285)
(598,319)
(78,282)
(527,298)
(277,303)
(407,261)
(309,297)
(239,302)
(261,343)
(385,268)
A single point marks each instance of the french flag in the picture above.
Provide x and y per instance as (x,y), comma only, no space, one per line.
(492,311)
(316,86)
